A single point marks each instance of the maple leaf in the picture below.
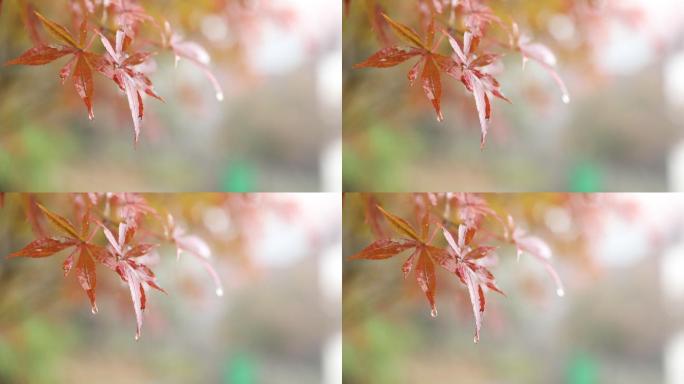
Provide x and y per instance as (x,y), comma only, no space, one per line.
(537,248)
(133,272)
(425,253)
(431,61)
(124,70)
(193,52)
(79,67)
(476,277)
(195,246)
(80,242)
(470,71)
(540,54)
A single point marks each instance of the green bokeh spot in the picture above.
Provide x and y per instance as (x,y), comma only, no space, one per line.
(586,177)
(238,176)
(582,369)
(241,369)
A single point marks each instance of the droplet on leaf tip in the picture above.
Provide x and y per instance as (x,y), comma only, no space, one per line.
(219,96)
(137,337)
(93,310)
(560,292)
(433,313)
(566,99)
(219,292)
(475,339)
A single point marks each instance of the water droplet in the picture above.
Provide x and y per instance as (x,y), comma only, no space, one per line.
(219,96)
(560,292)
(219,292)
(566,99)
(93,310)
(137,337)
(433,313)
(475,340)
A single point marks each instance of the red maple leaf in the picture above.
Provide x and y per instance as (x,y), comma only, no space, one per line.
(124,70)
(475,276)
(425,253)
(130,269)
(79,67)
(87,252)
(470,70)
(429,65)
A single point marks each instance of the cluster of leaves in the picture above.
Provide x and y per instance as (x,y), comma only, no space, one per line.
(124,56)
(474,58)
(452,232)
(122,232)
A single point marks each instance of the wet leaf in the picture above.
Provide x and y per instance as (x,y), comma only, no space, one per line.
(122,68)
(79,241)
(425,276)
(472,73)
(431,61)
(383,249)
(58,32)
(79,66)
(40,55)
(44,247)
(400,225)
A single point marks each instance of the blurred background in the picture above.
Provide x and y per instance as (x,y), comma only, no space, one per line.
(277,129)
(623,62)
(278,321)
(621,259)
